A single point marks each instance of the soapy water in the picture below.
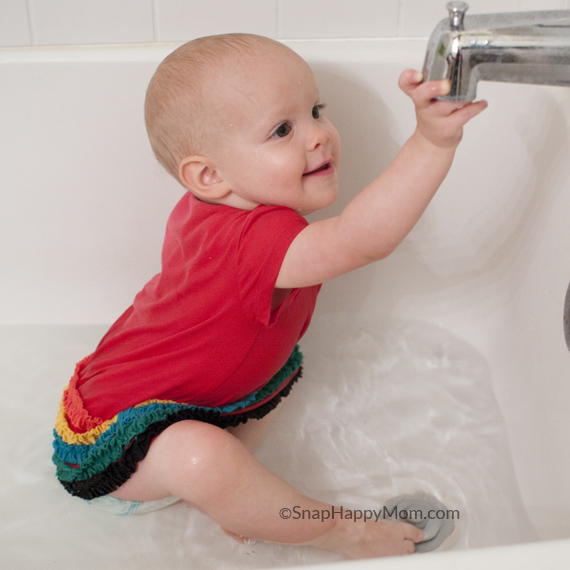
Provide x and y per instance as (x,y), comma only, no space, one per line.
(383,409)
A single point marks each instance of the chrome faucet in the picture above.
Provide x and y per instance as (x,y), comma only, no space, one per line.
(516,47)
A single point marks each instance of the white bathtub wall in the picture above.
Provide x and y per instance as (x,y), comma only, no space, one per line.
(68,22)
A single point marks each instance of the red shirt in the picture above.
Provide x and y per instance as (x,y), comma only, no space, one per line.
(202,331)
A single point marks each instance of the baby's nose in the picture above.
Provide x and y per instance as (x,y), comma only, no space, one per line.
(317,137)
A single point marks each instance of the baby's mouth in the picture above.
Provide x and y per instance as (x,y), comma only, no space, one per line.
(321,168)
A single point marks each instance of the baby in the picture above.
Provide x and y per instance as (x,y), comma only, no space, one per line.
(158,412)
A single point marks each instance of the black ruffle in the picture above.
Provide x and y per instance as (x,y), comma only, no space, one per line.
(120,471)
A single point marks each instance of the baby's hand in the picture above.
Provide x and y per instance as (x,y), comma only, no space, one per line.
(439,122)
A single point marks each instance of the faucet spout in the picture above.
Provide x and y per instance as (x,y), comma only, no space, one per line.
(516,47)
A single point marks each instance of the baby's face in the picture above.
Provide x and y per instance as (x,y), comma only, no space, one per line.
(274,146)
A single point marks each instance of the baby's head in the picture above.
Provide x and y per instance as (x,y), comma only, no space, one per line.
(237,120)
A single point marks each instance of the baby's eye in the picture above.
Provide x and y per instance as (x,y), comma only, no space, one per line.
(282,130)
(317,110)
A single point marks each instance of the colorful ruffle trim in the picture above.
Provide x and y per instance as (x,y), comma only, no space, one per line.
(97,461)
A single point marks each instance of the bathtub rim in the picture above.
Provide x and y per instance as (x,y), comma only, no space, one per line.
(524,556)
(156,51)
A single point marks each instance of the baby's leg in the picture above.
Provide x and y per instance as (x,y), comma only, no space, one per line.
(212,470)
(252,433)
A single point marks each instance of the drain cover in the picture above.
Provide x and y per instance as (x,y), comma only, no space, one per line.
(567,318)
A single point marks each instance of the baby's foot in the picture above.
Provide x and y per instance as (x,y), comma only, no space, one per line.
(436,530)
(370,539)
(240,537)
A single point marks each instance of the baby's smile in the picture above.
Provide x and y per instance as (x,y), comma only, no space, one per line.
(325,168)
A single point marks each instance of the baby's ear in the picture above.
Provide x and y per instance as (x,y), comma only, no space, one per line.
(199,175)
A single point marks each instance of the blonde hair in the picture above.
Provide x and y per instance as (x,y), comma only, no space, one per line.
(176,105)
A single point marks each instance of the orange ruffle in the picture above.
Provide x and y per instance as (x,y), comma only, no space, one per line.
(78,418)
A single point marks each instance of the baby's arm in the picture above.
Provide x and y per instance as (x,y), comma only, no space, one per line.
(375,222)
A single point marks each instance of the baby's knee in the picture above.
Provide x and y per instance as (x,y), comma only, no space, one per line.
(194,450)
(194,442)
(192,460)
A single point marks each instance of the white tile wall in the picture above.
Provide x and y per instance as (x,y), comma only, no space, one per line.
(181,20)
(337,18)
(91,21)
(418,17)
(52,22)
(14,24)
(544,4)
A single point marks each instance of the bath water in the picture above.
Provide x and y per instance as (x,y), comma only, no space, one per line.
(383,409)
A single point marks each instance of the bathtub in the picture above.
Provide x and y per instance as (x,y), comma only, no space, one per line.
(473,299)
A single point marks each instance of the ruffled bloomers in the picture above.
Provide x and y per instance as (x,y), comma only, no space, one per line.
(95,457)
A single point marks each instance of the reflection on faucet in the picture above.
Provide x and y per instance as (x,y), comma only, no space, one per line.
(516,47)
